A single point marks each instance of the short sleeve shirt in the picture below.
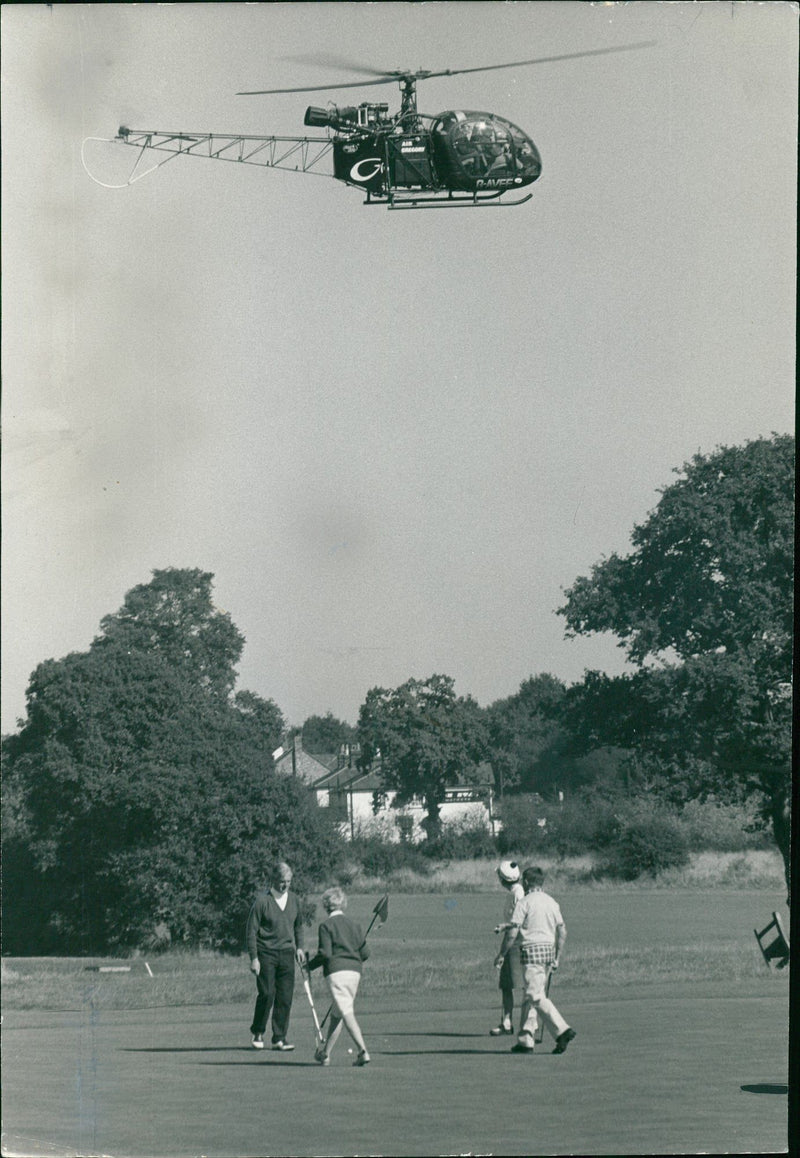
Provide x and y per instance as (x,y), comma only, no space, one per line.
(538,916)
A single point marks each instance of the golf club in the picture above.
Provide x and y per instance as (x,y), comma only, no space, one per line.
(307,987)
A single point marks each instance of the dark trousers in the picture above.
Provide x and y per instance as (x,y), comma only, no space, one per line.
(275,985)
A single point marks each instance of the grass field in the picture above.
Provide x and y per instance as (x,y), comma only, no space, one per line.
(747,869)
(681,1044)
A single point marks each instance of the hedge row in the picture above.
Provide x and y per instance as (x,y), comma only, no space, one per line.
(628,838)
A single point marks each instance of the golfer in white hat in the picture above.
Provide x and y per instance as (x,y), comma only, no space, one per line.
(509,873)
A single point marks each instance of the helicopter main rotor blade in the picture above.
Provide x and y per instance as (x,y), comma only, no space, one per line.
(536,60)
(329,60)
(320,87)
(424,74)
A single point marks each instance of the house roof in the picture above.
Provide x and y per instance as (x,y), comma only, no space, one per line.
(349,780)
(329,760)
(304,765)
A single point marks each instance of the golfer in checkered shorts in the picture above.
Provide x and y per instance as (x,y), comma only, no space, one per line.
(538,923)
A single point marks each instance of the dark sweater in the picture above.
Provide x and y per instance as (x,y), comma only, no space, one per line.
(272,930)
(341,945)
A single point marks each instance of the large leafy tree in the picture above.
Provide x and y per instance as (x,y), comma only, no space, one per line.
(532,750)
(142,794)
(174,616)
(324,735)
(525,733)
(703,608)
(425,739)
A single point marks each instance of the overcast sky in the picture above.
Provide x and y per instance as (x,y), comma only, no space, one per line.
(395,438)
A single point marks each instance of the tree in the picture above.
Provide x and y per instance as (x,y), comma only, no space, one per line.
(174,616)
(525,733)
(262,721)
(532,751)
(425,739)
(710,581)
(324,735)
(142,794)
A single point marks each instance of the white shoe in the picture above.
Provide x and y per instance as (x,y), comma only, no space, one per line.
(282,1045)
(258,1041)
(362,1059)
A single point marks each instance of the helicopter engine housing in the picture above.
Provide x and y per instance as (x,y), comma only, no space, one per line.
(351,117)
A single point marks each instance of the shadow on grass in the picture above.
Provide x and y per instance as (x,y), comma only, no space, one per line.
(191,1049)
(437,1052)
(273,1061)
(269,1060)
(249,1050)
(386,1053)
(309,1065)
(410,1033)
(254,1061)
(765,1088)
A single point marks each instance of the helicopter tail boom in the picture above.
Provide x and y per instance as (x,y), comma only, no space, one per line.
(297,154)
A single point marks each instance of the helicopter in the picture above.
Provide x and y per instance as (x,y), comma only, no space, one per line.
(403,160)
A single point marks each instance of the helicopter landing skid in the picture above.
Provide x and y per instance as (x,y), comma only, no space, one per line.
(469,201)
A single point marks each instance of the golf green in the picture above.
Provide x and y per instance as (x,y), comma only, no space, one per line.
(658,1067)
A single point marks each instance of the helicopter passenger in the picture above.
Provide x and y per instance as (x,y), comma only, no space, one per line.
(503,163)
(465,150)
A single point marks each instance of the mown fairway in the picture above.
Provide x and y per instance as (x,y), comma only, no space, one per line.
(677,1051)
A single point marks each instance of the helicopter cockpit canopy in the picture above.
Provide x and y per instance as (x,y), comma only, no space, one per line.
(483,151)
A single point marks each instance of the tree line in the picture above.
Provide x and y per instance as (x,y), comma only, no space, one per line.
(140,797)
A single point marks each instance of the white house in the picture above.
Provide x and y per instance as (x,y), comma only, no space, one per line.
(351,794)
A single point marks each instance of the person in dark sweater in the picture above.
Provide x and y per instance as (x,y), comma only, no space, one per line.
(274,942)
(342,949)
